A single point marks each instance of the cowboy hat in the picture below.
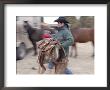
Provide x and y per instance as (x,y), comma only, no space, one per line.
(25,21)
(61,19)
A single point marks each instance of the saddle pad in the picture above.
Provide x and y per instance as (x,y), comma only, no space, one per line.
(43,43)
(48,47)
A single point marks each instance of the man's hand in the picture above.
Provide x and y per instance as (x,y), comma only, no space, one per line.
(54,42)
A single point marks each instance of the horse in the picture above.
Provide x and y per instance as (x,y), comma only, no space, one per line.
(35,34)
(81,35)
(49,51)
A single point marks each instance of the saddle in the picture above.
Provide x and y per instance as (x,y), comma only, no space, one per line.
(47,47)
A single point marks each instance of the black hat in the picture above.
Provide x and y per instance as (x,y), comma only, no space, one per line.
(62,19)
(25,21)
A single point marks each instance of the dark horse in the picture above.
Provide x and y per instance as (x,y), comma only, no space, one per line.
(82,35)
(35,34)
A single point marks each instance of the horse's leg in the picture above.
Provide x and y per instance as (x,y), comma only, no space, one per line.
(41,61)
(71,50)
(35,47)
(93,48)
(75,48)
(39,69)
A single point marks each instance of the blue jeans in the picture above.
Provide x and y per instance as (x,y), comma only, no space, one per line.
(50,65)
(67,71)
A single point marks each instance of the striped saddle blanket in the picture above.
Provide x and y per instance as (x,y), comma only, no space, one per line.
(46,44)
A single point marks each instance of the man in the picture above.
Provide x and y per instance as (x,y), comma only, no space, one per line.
(65,38)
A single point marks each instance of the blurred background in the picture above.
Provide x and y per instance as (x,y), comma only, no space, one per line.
(74,21)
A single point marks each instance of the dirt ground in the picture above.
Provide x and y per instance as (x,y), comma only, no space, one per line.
(83,64)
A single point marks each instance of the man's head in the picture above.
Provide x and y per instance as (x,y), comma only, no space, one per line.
(61,21)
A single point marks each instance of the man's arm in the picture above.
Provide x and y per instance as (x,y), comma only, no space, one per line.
(69,40)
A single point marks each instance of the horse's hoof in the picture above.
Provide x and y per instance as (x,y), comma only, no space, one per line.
(43,71)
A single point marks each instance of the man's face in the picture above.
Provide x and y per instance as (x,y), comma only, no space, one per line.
(60,24)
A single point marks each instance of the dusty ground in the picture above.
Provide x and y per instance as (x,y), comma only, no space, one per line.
(83,64)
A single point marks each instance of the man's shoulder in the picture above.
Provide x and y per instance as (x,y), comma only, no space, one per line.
(66,30)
